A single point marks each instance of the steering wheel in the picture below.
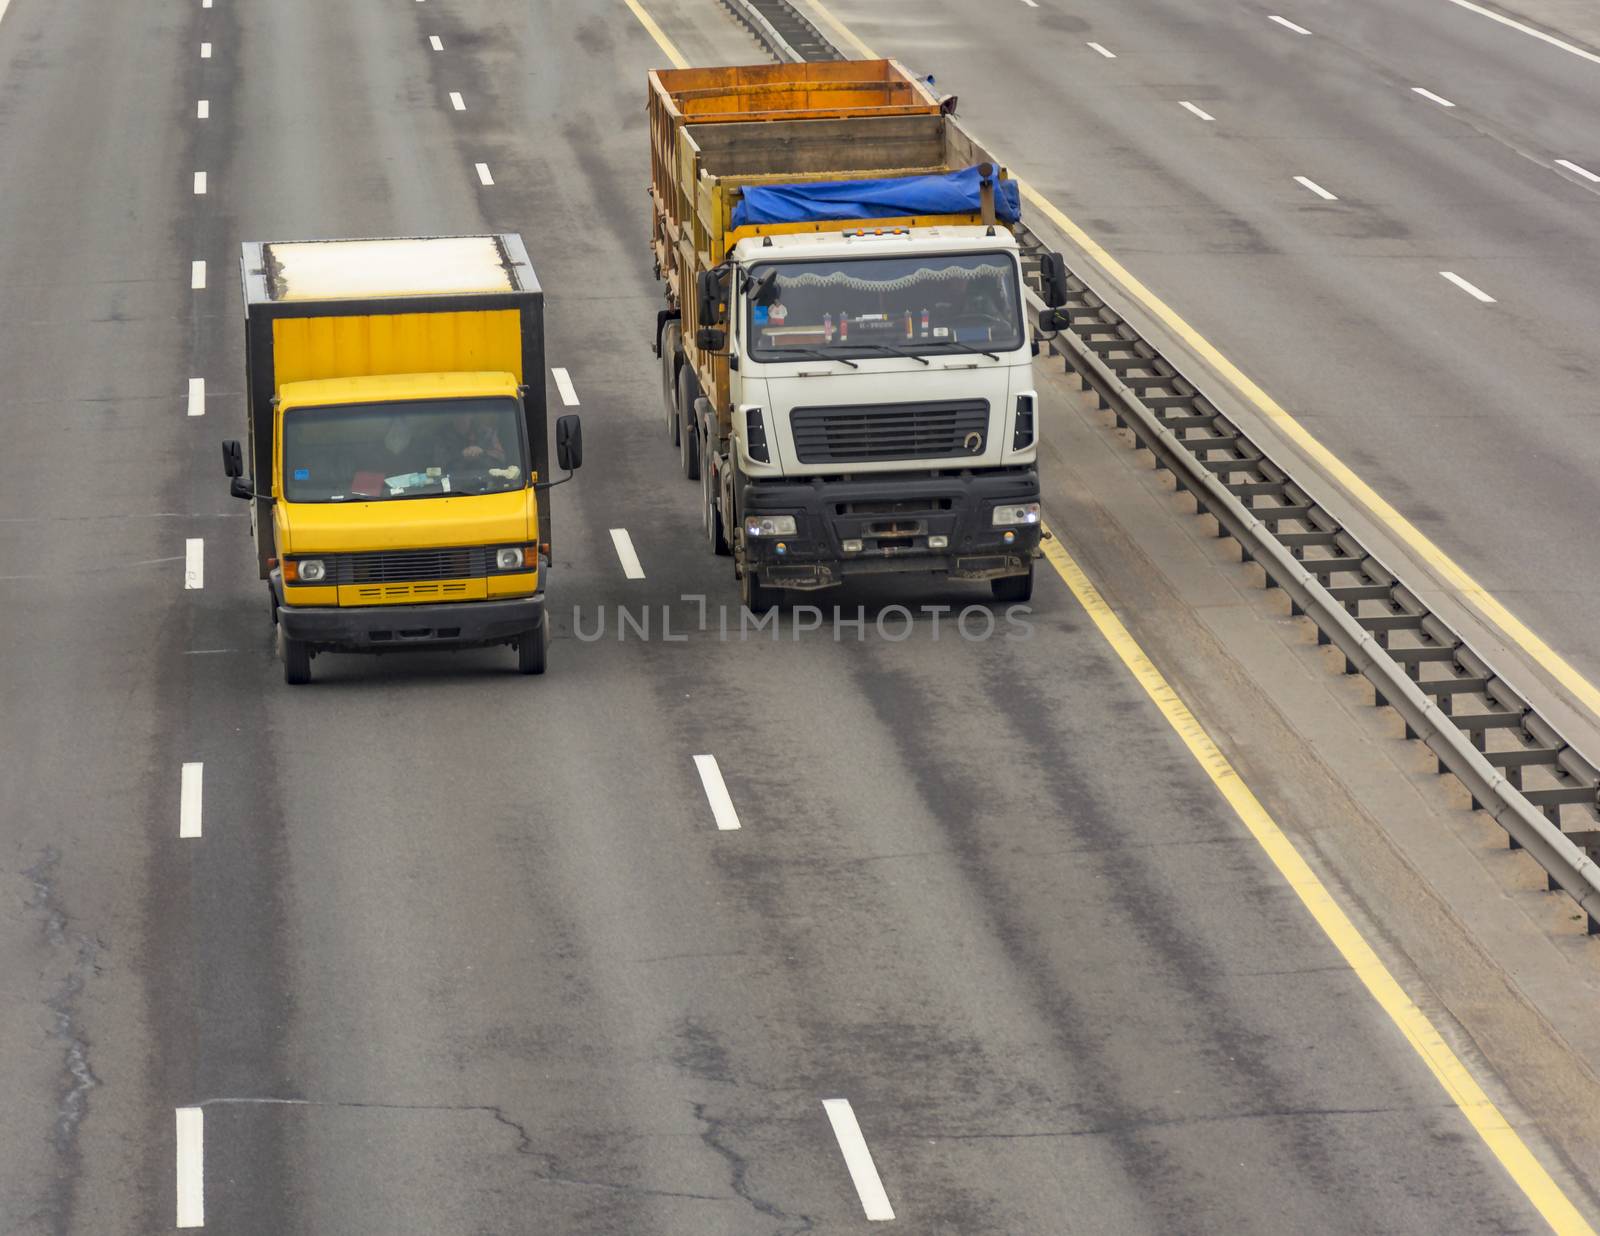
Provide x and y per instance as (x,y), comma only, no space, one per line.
(467,478)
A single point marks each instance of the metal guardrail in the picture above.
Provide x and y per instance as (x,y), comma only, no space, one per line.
(1513,762)
(782,30)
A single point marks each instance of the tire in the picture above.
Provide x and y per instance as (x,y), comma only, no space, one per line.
(711,517)
(296,657)
(671,334)
(531,652)
(688,439)
(756,596)
(1013,588)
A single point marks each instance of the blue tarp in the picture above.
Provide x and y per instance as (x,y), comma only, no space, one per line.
(954,194)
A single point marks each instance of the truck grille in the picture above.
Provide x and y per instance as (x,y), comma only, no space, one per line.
(890,431)
(398,566)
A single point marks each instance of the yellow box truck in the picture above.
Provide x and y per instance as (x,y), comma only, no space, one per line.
(397,445)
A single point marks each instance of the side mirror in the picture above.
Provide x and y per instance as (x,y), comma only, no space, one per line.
(711,338)
(1053,279)
(569,443)
(765,291)
(713,304)
(232,458)
(1053,320)
(241,488)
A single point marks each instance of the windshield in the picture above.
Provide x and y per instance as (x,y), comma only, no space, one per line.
(915,304)
(426,449)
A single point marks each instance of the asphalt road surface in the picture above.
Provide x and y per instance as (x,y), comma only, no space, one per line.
(460,952)
(1276,173)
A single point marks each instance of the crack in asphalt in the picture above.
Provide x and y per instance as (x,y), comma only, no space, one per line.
(79,1079)
(551,1174)
(739,1170)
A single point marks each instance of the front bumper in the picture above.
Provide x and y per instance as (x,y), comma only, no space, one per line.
(892,517)
(381,628)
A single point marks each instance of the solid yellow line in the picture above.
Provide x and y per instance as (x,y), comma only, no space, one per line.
(1557,666)
(1501,1139)
(656,33)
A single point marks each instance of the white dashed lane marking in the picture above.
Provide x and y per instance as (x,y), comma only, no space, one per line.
(858,1159)
(1304,182)
(717,793)
(191,1167)
(194,563)
(1468,288)
(625,553)
(193,777)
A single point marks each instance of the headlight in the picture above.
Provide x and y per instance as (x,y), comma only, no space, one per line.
(310,570)
(508,559)
(1021,513)
(769,525)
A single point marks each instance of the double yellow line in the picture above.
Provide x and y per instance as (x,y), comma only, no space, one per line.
(1501,1139)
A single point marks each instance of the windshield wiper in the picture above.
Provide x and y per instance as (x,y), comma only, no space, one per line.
(962,347)
(889,347)
(785,353)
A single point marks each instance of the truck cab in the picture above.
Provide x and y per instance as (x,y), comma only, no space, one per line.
(884,405)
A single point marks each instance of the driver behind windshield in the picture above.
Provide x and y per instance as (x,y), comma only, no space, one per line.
(374,451)
(466,438)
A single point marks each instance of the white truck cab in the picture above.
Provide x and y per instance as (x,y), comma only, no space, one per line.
(884,411)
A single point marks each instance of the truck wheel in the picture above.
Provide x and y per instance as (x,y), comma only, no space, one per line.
(671,333)
(531,652)
(1013,588)
(716,533)
(296,657)
(756,596)
(688,439)
(689,451)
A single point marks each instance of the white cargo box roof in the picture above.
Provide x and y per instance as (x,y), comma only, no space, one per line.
(345,270)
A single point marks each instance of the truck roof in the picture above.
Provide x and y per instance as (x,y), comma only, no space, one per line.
(870,240)
(359,270)
(396,388)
